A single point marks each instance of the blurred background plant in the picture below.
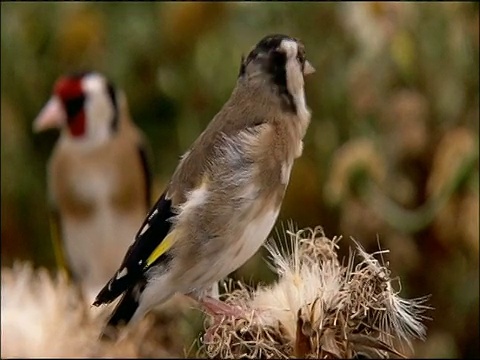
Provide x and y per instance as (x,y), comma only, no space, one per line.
(392,150)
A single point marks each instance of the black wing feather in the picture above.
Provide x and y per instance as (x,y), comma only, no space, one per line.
(160,224)
(122,313)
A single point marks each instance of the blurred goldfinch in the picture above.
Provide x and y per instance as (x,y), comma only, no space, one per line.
(98,177)
(225,195)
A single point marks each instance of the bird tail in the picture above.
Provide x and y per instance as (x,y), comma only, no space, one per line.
(121,315)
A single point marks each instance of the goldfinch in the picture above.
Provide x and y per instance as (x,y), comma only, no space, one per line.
(98,177)
(226,192)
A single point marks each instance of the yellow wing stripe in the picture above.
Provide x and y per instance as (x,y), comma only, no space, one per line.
(57,245)
(161,248)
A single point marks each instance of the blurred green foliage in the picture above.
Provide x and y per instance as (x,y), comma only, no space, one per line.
(392,150)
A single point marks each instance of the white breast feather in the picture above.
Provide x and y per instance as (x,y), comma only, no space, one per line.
(252,238)
(95,186)
(96,244)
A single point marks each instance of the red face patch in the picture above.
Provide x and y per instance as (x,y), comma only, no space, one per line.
(70,92)
(68,87)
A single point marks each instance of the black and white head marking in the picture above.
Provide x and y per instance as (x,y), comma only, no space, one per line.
(283,58)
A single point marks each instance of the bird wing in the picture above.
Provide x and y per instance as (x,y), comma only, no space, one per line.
(150,247)
(57,243)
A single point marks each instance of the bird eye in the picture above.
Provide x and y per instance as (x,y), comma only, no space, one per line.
(73,105)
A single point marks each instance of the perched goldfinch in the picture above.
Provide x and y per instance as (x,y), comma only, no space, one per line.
(98,177)
(225,195)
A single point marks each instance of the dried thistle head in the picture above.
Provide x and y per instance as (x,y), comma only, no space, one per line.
(319,307)
(44,316)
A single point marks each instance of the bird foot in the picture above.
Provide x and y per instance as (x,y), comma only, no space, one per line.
(219,308)
(216,322)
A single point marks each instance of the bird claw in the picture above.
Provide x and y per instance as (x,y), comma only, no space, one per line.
(218,311)
(216,307)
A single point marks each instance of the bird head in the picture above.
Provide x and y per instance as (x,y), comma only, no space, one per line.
(273,54)
(279,63)
(84,106)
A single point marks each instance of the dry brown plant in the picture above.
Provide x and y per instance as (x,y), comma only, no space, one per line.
(44,316)
(320,307)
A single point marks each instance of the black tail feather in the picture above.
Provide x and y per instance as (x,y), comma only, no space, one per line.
(121,315)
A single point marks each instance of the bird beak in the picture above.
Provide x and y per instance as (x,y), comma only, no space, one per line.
(308,68)
(51,116)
